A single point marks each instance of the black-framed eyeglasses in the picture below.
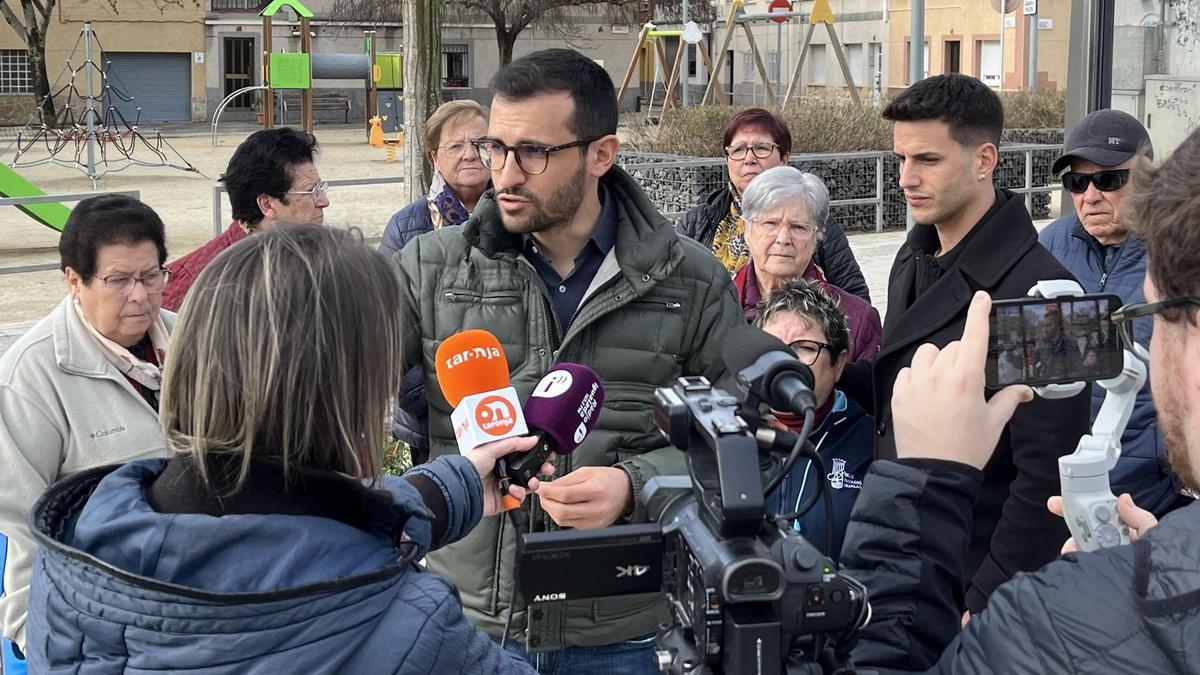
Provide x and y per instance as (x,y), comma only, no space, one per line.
(1123,317)
(808,351)
(532,159)
(1105,181)
(760,150)
(154,281)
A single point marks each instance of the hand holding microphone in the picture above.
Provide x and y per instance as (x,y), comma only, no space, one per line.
(473,373)
(498,498)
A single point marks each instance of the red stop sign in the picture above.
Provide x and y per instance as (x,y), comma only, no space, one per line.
(779,6)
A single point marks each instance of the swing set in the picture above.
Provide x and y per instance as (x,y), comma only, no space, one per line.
(649,40)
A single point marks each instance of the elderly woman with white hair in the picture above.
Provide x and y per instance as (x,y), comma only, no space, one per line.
(784,211)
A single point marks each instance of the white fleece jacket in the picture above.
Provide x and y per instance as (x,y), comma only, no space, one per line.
(63,408)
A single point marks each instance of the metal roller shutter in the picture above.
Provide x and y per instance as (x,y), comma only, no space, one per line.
(159,82)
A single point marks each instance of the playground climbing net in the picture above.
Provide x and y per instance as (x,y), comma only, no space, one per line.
(87,131)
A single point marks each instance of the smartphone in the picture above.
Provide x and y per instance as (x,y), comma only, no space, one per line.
(1039,341)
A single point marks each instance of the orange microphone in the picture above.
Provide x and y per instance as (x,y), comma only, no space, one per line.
(473,373)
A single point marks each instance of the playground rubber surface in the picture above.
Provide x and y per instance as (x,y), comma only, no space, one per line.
(184,202)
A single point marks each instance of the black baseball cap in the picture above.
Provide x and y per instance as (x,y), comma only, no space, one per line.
(1105,137)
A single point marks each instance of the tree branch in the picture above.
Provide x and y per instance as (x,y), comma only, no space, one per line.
(14,21)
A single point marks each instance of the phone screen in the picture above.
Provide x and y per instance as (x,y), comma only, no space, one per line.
(1036,341)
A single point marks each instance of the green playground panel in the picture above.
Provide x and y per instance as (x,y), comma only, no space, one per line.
(52,215)
(391,71)
(291,70)
(296,5)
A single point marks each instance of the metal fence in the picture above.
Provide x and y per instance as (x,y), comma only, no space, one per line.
(218,189)
(48,199)
(863,186)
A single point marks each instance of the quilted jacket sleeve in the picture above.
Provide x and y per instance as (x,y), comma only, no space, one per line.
(905,543)
(1028,536)
(1014,635)
(407,266)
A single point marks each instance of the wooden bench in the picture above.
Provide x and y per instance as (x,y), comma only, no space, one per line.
(335,102)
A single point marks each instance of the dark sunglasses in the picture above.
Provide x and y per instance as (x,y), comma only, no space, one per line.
(1105,181)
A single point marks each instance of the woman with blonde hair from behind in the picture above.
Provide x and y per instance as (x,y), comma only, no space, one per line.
(259,546)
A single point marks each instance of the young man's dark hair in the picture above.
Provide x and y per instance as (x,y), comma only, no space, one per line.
(107,219)
(565,70)
(262,164)
(973,111)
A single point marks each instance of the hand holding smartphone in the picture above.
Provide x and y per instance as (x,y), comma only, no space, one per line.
(1041,341)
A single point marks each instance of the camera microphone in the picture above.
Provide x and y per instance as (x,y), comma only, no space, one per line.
(769,369)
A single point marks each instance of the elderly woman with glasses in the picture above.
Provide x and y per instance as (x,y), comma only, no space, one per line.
(806,317)
(81,388)
(757,140)
(459,177)
(784,212)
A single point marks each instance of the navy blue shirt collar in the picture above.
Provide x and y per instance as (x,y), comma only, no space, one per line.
(566,294)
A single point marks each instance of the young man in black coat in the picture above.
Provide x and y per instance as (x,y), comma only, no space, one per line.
(970,236)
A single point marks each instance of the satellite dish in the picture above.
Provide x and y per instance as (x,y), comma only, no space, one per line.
(1009,6)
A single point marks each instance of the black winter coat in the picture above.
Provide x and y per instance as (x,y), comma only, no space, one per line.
(833,256)
(1012,530)
(1130,609)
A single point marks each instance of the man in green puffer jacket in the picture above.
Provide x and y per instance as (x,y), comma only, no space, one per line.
(566,260)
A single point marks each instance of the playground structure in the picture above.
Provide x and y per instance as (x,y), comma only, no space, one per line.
(282,70)
(647,39)
(296,71)
(376,139)
(821,14)
(87,127)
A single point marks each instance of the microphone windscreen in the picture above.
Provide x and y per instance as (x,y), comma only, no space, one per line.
(745,344)
(470,362)
(565,405)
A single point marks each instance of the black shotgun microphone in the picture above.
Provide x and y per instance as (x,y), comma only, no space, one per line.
(766,367)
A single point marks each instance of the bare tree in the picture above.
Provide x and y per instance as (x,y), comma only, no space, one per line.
(422,87)
(31,27)
(511,17)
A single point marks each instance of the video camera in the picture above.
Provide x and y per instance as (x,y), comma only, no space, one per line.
(747,594)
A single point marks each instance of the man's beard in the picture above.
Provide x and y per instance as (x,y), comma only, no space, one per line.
(1171,406)
(557,213)
(1172,413)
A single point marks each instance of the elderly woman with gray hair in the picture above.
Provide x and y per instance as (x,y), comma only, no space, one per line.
(784,210)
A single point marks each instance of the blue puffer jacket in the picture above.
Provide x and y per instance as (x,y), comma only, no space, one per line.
(845,440)
(405,224)
(1142,469)
(120,587)
(411,421)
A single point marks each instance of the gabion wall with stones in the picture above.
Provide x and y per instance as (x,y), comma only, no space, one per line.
(677,183)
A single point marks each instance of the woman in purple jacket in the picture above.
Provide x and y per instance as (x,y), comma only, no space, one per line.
(785,211)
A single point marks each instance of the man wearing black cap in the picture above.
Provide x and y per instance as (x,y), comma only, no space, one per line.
(1096,246)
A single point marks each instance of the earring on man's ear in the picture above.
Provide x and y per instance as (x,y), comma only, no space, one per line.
(982,176)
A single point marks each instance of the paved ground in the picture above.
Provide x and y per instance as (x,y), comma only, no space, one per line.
(874,252)
(184,201)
